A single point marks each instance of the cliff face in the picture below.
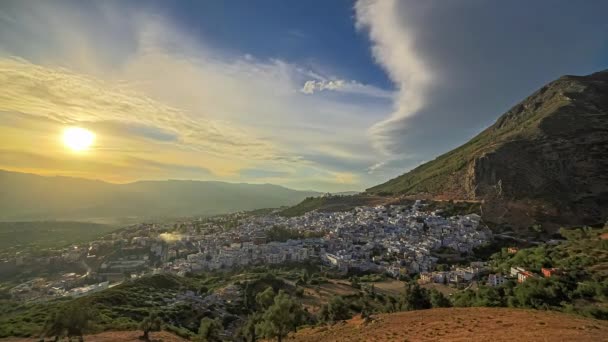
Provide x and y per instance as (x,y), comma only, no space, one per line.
(544,161)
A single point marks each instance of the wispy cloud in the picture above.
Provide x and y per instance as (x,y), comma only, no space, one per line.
(459,64)
(348,87)
(160,95)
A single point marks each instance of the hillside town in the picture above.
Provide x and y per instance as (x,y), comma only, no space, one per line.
(398,240)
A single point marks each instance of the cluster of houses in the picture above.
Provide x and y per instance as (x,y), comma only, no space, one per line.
(67,285)
(520,274)
(456,275)
(395,239)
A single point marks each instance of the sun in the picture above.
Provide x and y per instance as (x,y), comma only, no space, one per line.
(78,139)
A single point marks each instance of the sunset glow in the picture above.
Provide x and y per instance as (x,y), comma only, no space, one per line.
(78,139)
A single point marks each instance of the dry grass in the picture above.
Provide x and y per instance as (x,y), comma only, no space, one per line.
(115,336)
(463,324)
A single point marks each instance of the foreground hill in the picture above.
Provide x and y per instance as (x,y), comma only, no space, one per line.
(116,336)
(542,161)
(32,197)
(462,324)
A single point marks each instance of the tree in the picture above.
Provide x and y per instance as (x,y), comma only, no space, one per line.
(354,283)
(337,310)
(438,300)
(415,298)
(280,318)
(265,298)
(209,330)
(248,329)
(71,320)
(149,324)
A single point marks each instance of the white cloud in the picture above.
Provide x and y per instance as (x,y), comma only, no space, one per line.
(230,112)
(347,87)
(312,86)
(393,48)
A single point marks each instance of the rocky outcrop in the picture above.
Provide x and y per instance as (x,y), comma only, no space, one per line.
(544,161)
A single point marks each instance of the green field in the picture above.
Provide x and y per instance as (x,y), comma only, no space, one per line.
(46,234)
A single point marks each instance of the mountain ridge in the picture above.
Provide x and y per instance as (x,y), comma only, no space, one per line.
(539,162)
(27,196)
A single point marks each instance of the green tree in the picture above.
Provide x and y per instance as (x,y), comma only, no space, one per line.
(489,296)
(71,320)
(354,282)
(248,329)
(209,330)
(265,298)
(438,300)
(149,324)
(415,298)
(465,298)
(280,318)
(337,310)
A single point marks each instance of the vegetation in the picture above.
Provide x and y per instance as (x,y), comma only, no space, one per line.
(149,324)
(209,330)
(330,204)
(581,286)
(69,320)
(45,234)
(283,316)
(282,234)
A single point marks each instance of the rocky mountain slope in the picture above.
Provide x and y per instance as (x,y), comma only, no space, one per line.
(544,161)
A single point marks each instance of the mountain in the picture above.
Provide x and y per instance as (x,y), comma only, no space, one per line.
(33,197)
(544,161)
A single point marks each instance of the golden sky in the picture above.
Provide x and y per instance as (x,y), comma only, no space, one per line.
(188,111)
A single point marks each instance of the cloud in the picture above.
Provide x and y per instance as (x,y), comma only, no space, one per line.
(152,92)
(312,86)
(342,86)
(459,65)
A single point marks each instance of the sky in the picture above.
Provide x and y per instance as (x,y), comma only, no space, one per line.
(321,95)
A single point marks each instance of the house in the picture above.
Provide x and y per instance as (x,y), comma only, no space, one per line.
(496,280)
(525,275)
(426,277)
(515,271)
(548,272)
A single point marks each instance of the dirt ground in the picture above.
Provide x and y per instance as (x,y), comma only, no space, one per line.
(317,296)
(113,336)
(389,286)
(462,324)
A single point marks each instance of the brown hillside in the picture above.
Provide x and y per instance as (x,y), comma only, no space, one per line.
(114,336)
(462,324)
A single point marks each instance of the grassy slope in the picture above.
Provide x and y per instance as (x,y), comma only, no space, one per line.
(49,233)
(331,204)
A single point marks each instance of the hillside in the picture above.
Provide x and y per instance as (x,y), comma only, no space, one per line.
(32,197)
(332,204)
(462,324)
(542,161)
(117,336)
(49,233)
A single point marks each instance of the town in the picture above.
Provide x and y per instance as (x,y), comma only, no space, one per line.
(397,240)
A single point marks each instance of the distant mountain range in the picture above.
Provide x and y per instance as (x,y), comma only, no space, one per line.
(33,197)
(544,161)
